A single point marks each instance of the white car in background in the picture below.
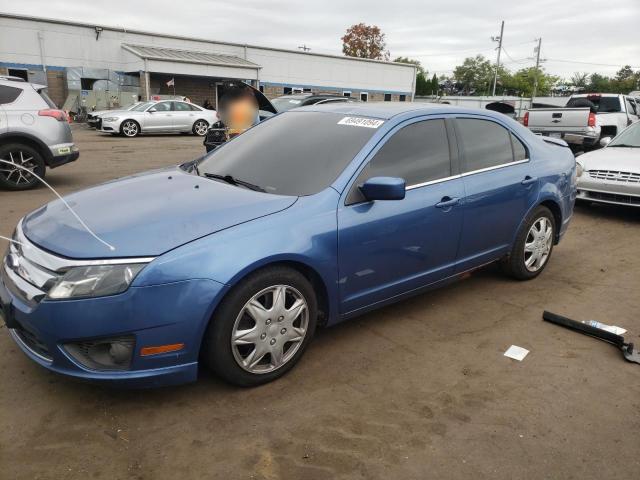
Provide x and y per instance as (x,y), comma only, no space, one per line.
(612,174)
(164,116)
(92,117)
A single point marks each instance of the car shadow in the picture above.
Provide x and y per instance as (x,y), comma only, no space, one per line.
(606,211)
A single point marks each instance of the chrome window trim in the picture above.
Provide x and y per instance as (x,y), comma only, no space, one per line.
(432,182)
(58,264)
(453,177)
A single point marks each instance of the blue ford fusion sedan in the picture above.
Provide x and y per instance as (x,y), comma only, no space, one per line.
(314,216)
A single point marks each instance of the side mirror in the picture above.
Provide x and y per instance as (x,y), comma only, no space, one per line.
(605,141)
(152,109)
(384,188)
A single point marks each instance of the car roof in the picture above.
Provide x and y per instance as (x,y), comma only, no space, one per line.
(388,110)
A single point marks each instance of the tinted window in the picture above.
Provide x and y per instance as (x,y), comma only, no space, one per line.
(519,150)
(294,153)
(484,144)
(600,104)
(9,94)
(194,108)
(181,107)
(418,153)
(163,107)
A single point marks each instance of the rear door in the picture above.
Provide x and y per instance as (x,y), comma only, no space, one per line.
(387,248)
(183,116)
(161,119)
(500,189)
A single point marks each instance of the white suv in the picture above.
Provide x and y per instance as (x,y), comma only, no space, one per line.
(34,134)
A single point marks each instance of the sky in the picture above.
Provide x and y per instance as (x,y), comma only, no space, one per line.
(577,35)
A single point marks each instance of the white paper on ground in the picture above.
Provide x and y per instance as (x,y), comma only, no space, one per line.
(517,353)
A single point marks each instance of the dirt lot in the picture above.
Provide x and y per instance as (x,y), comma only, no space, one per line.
(417,390)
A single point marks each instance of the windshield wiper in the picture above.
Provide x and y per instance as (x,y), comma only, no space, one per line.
(234,181)
(624,145)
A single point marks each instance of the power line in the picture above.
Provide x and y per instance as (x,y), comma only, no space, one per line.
(557,60)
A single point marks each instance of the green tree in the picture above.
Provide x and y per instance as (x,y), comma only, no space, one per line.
(522,82)
(435,85)
(579,79)
(365,41)
(476,75)
(599,83)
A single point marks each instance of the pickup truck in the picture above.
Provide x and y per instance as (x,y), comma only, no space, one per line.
(586,119)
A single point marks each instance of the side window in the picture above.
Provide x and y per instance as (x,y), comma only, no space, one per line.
(519,150)
(8,94)
(418,153)
(194,108)
(163,106)
(484,144)
(181,107)
(631,106)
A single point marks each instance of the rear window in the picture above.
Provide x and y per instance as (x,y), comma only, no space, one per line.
(46,98)
(293,153)
(9,94)
(597,103)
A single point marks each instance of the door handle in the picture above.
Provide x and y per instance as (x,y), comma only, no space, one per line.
(447,202)
(529,180)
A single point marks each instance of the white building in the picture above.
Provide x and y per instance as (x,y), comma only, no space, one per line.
(82,59)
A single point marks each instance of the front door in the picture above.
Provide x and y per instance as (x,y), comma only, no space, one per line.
(161,119)
(500,188)
(386,248)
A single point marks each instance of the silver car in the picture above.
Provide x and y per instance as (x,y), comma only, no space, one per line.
(164,116)
(612,174)
(92,117)
(34,134)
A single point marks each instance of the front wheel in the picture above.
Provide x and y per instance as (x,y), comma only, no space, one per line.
(200,128)
(262,327)
(130,128)
(533,246)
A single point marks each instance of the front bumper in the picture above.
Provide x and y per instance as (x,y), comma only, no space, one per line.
(611,192)
(61,154)
(155,315)
(108,127)
(587,137)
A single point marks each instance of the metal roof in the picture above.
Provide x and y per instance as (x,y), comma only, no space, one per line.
(188,56)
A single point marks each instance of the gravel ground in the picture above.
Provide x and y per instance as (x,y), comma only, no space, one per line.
(420,389)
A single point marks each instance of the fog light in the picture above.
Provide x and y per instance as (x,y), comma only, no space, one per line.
(103,354)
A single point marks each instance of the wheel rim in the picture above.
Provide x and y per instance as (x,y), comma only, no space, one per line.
(201,128)
(537,245)
(130,129)
(16,175)
(270,329)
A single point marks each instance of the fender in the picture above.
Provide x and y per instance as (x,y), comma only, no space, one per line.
(18,136)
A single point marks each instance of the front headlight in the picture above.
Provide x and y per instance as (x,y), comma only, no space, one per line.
(95,281)
(110,119)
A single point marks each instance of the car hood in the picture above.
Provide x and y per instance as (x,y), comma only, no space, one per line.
(146,215)
(619,159)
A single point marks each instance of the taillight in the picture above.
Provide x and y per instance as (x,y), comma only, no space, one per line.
(592,120)
(57,114)
(525,121)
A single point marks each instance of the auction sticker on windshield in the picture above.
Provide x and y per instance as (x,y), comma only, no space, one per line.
(361,122)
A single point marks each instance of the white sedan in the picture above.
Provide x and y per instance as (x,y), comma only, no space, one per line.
(612,174)
(165,116)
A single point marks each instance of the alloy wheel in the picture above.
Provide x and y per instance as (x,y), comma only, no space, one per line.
(538,244)
(130,129)
(200,128)
(270,329)
(15,175)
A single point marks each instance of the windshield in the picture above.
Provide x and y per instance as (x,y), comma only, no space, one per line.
(294,153)
(142,106)
(283,104)
(597,103)
(628,138)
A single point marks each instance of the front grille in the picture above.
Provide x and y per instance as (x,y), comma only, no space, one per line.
(615,176)
(33,343)
(614,197)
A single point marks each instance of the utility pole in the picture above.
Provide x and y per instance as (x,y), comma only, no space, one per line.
(499,40)
(535,80)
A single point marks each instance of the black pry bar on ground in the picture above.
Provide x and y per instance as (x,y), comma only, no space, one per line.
(630,353)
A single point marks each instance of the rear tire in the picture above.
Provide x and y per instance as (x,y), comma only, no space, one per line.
(262,327)
(12,178)
(533,246)
(200,128)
